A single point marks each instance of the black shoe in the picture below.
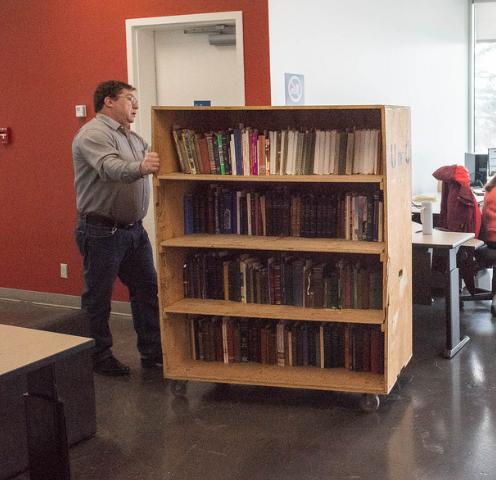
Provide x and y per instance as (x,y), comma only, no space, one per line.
(156,361)
(111,367)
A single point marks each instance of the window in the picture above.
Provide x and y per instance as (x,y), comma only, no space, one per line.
(484,75)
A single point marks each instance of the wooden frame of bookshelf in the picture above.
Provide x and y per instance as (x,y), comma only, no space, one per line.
(395,318)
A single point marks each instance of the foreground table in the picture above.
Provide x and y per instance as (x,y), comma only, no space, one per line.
(34,352)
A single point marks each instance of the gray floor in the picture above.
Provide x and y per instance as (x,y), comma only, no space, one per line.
(438,422)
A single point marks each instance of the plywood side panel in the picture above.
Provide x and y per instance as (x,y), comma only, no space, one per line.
(162,142)
(175,341)
(169,223)
(171,287)
(398,258)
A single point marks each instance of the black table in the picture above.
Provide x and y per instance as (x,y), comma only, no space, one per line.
(447,244)
(33,352)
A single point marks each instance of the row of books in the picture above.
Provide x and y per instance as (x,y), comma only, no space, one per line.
(282,212)
(288,343)
(249,151)
(283,280)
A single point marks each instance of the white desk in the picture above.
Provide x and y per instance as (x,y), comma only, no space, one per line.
(447,243)
(33,352)
(439,238)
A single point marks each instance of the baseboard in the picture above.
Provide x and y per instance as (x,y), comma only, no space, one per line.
(56,299)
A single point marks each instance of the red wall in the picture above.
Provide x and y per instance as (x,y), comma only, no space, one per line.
(53,53)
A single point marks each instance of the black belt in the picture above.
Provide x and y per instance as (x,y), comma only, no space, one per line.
(94,219)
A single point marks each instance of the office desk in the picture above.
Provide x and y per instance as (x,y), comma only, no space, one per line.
(447,244)
(33,352)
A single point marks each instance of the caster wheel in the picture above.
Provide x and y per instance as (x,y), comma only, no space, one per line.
(178,387)
(369,402)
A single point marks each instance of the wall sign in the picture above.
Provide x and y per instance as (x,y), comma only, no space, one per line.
(294,88)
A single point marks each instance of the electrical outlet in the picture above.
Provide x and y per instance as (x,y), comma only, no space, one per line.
(63,271)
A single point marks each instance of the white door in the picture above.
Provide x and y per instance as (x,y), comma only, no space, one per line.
(169,67)
(188,68)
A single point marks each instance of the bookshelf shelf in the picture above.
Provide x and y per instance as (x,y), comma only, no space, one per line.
(337,379)
(288,244)
(274,178)
(389,260)
(196,306)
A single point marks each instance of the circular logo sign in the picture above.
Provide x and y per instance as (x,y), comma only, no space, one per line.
(295,89)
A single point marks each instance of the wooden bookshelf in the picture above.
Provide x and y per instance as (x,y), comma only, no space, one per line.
(393,254)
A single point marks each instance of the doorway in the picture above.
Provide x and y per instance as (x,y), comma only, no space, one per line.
(170,67)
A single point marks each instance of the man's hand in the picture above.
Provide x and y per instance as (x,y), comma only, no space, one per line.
(150,163)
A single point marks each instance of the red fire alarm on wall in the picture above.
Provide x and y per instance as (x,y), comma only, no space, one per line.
(4,135)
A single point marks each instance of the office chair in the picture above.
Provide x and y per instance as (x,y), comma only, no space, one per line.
(485,258)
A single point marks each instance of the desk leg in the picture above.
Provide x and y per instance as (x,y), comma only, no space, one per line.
(47,440)
(452,308)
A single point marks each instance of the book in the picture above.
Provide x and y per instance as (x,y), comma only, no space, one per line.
(209,137)
(180,150)
(193,325)
(280,334)
(186,138)
(244,339)
(202,148)
(188,213)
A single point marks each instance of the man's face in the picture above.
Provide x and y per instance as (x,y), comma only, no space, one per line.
(124,107)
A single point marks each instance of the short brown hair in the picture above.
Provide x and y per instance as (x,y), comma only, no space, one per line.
(491,183)
(109,88)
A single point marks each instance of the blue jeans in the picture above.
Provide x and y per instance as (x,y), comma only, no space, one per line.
(109,253)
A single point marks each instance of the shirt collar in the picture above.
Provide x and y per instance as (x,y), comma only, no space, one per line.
(114,124)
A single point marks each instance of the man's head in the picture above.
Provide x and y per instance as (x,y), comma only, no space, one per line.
(116,100)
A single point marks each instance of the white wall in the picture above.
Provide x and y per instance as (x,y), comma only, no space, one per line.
(398,52)
(188,69)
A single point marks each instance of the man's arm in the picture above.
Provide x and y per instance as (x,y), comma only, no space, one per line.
(97,149)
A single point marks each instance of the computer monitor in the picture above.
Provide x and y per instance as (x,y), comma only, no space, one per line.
(491,163)
(477,166)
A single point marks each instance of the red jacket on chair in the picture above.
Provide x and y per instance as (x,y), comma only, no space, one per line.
(460,212)
(459,208)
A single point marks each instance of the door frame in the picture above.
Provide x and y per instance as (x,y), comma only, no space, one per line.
(141,71)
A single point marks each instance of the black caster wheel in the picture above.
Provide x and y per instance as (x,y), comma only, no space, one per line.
(178,387)
(369,402)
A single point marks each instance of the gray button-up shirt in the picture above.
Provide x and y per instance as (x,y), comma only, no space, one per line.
(108,182)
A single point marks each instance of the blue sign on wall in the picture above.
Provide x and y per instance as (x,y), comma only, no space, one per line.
(202,103)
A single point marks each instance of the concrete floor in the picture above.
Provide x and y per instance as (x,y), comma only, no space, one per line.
(438,422)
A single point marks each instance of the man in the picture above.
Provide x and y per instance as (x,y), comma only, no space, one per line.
(111,165)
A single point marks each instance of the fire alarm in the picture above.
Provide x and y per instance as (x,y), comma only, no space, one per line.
(4,135)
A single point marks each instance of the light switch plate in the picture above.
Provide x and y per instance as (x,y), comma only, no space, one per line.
(81,111)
